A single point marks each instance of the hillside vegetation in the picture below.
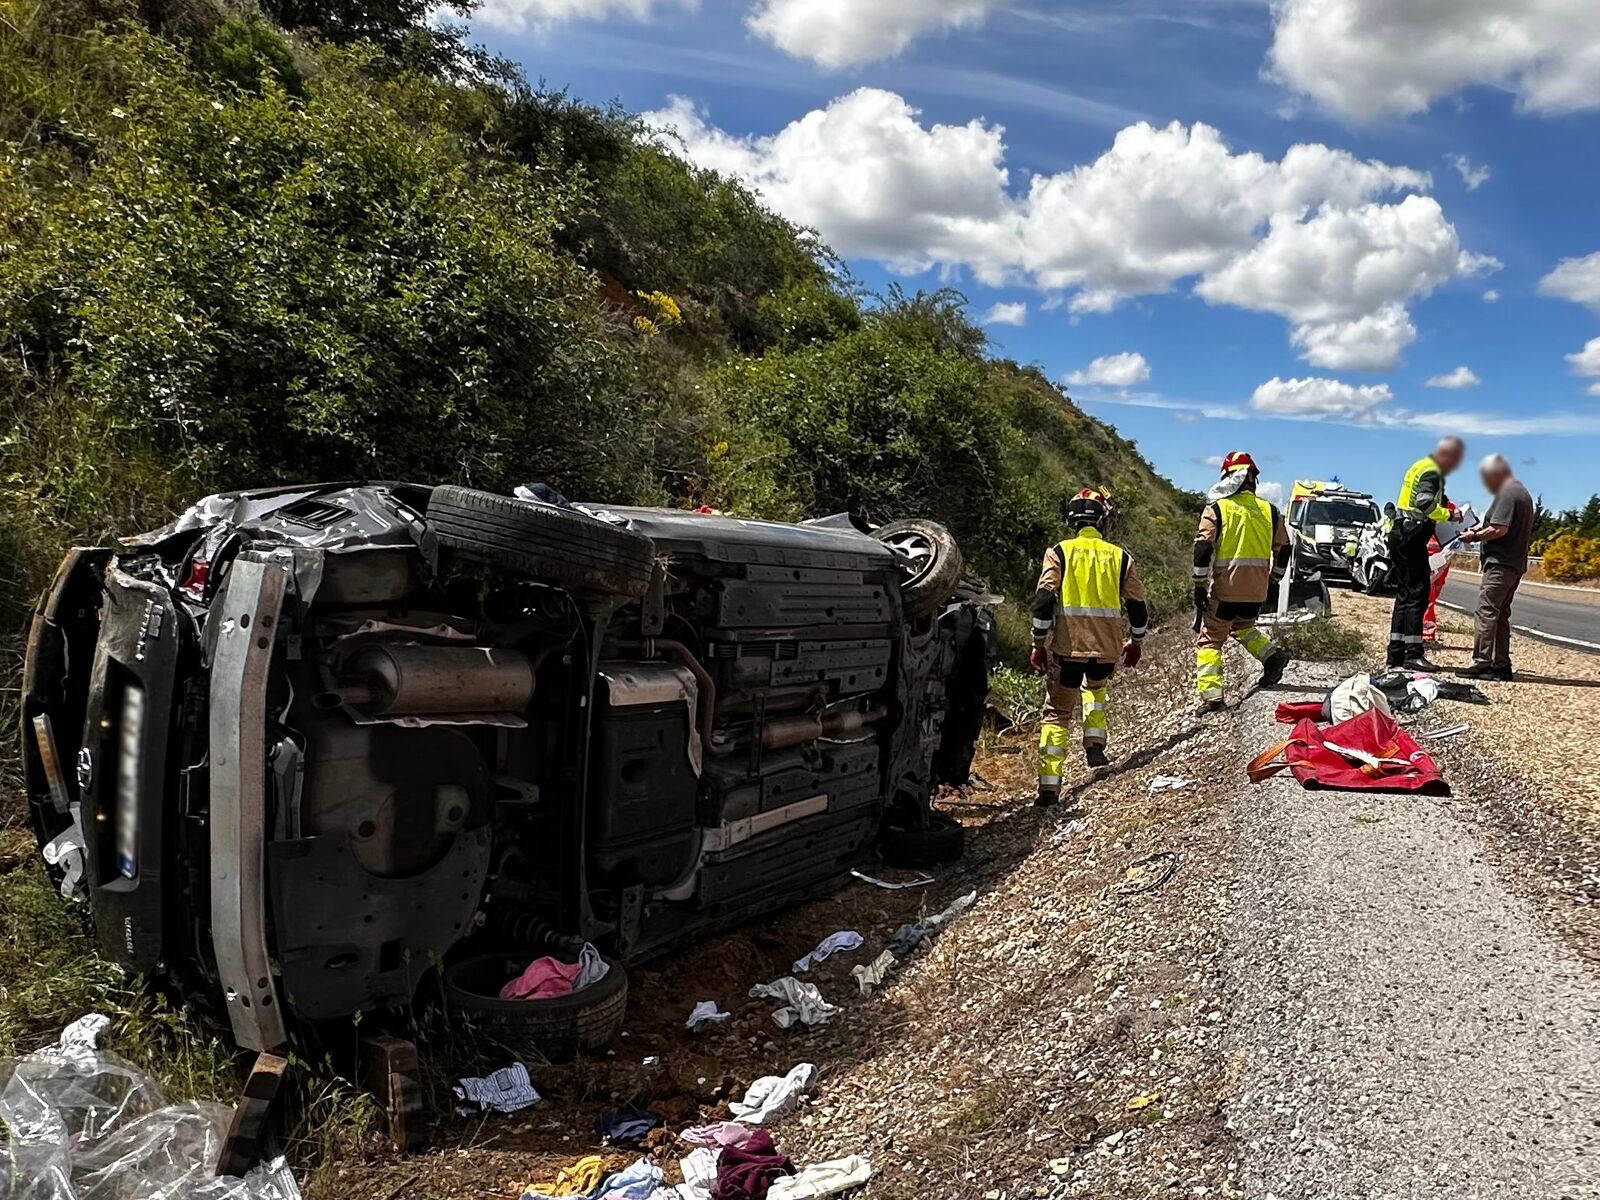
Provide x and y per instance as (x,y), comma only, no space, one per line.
(242,247)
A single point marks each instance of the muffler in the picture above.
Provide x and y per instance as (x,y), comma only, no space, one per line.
(395,681)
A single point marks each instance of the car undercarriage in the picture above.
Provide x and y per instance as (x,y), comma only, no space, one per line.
(304,746)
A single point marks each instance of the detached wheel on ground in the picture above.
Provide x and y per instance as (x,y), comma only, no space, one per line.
(941,841)
(546,542)
(930,560)
(557,1028)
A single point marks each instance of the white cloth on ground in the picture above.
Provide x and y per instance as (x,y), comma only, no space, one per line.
(908,937)
(822,1179)
(870,975)
(1355,696)
(773,1097)
(801,1002)
(506,1090)
(1169,783)
(845,939)
(636,1181)
(699,1173)
(591,968)
(705,1013)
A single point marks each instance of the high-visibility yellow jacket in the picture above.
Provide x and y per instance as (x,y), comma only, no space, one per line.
(1090,581)
(1245,532)
(1422,492)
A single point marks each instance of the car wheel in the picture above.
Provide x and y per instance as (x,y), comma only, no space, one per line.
(561,546)
(556,1028)
(941,841)
(1377,576)
(930,560)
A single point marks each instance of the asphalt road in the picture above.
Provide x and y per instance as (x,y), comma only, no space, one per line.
(1406,1028)
(1541,612)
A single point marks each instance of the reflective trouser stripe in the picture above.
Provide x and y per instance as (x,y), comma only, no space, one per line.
(1208,680)
(1094,715)
(1253,640)
(1223,563)
(1090,610)
(1052,749)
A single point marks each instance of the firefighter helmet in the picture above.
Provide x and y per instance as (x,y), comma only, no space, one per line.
(1238,461)
(1088,507)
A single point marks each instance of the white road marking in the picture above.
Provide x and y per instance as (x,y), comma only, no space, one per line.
(1531,632)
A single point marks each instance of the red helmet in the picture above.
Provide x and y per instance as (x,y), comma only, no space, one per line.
(1238,461)
(1088,507)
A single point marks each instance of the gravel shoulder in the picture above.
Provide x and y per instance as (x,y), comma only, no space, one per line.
(1405,1025)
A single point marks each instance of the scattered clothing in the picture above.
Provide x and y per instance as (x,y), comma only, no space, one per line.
(908,937)
(1367,753)
(547,977)
(773,1097)
(823,1179)
(846,939)
(700,1167)
(872,974)
(637,1181)
(718,1134)
(582,1178)
(747,1172)
(1169,783)
(705,1013)
(921,879)
(799,1002)
(507,1090)
(628,1125)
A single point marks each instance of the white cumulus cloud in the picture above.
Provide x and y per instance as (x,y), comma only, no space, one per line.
(1321,398)
(1461,377)
(1338,245)
(1474,175)
(1586,362)
(1271,492)
(516,15)
(1113,370)
(1491,297)
(846,33)
(1007,314)
(1575,279)
(1368,58)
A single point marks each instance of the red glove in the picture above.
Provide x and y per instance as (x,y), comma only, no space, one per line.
(1131,654)
(1455,513)
(1039,660)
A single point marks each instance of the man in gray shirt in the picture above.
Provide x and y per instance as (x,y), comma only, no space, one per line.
(1506,534)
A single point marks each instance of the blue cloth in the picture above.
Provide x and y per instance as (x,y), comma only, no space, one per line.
(634,1182)
(626,1126)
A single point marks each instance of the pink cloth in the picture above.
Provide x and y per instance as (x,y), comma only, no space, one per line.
(544,978)
(719,1134)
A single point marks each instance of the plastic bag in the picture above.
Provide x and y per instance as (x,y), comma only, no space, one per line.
(84,1124)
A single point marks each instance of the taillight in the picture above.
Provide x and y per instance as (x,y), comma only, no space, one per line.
(194,580)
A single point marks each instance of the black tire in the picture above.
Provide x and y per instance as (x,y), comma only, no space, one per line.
(555,1029)
(934,568)
(546,542)
(941,841)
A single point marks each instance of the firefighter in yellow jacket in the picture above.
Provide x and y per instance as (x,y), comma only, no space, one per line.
(1242,546)
(1084,585)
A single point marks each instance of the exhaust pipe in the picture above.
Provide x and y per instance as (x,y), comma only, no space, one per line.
(395,681)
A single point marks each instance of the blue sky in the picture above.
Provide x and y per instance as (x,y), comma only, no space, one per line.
(1117,176)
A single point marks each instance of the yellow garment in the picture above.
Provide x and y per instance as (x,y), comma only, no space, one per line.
(581,1178)
(1213,636)
(1408,489)
(1091,579)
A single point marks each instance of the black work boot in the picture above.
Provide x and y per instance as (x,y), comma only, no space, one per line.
(1095,755)
(1047,798)
(1272,666)
(1483,670)
(1211,707)
(1420,662)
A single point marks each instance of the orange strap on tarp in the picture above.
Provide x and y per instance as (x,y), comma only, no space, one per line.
(1270,761)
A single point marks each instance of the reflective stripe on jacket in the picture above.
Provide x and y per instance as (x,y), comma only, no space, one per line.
(1422,492)
(1096,577)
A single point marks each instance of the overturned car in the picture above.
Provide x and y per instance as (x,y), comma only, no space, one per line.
(305,746)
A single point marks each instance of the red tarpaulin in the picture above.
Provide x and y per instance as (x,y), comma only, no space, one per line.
(1369,753)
